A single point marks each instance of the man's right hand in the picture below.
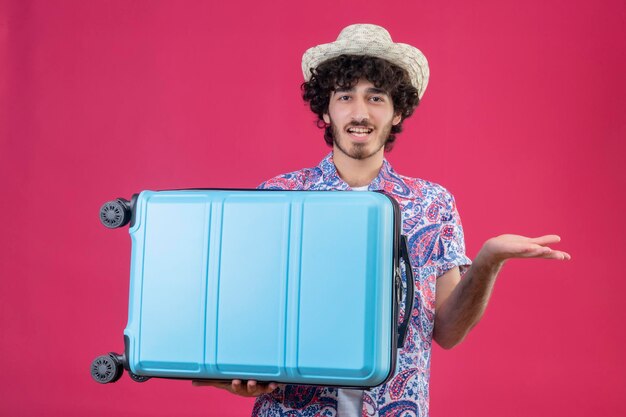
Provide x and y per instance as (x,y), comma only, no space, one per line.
(238,387)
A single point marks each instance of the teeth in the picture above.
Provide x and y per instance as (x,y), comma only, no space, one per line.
(359,130)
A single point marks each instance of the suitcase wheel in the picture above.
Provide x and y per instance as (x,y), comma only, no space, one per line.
(106,369)
(137,378)
(116,213)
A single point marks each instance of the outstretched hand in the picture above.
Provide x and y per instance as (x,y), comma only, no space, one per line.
(499,249)
(460,303)
(250,389)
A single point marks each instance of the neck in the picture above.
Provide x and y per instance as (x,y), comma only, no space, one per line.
(357,172)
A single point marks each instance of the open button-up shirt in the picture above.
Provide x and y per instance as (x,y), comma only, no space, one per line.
(435,236)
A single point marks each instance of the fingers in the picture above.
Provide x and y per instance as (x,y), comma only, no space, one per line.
(250,389)
(545,252)
(539,248)
(254,388)
(498,249)
(558,255)
(235,386)
(210,383)
(545,240)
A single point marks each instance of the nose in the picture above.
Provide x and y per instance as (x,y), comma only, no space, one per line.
(359,110)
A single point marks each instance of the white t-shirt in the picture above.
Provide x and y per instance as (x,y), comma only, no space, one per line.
(349,401)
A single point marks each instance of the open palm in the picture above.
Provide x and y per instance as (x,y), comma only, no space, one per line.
(505,247)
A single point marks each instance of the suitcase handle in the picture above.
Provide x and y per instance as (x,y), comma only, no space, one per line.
(410,291)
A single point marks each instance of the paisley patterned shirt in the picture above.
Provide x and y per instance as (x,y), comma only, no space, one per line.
(435,236)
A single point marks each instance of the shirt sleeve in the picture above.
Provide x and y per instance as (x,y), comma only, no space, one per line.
(451,240)
(289,181)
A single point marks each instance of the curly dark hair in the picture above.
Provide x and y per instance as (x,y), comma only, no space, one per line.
(345,71)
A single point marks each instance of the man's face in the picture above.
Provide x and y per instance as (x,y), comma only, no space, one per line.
(361,118)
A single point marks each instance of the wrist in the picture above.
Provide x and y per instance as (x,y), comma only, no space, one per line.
(488,260)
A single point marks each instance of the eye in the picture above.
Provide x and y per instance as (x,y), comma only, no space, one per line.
(343,98)
(377,99)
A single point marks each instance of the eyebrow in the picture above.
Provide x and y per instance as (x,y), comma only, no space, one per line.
(371,90)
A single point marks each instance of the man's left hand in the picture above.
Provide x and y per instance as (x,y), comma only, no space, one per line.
(498,249)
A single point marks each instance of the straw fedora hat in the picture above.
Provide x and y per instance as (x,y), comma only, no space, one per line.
(371,40)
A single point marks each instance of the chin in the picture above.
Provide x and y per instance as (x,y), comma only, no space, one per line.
(359,151)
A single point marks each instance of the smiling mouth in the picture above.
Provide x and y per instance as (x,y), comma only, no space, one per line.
(360,131)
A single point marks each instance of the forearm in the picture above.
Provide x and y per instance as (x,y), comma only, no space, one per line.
(466,304)
(460,304)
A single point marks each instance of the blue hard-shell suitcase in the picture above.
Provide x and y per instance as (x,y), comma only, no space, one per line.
(287,286)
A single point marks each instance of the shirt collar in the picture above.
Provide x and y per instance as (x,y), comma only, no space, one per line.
(387,179)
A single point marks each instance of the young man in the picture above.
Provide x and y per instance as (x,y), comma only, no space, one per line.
(362,87)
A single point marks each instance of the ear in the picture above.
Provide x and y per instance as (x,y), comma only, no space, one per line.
(396,119)
(326,118)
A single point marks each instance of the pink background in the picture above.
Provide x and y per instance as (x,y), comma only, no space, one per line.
(523,121)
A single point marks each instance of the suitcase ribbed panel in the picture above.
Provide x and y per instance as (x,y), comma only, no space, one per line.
(171,299)
(253,279)
(288,286)
(344,296)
